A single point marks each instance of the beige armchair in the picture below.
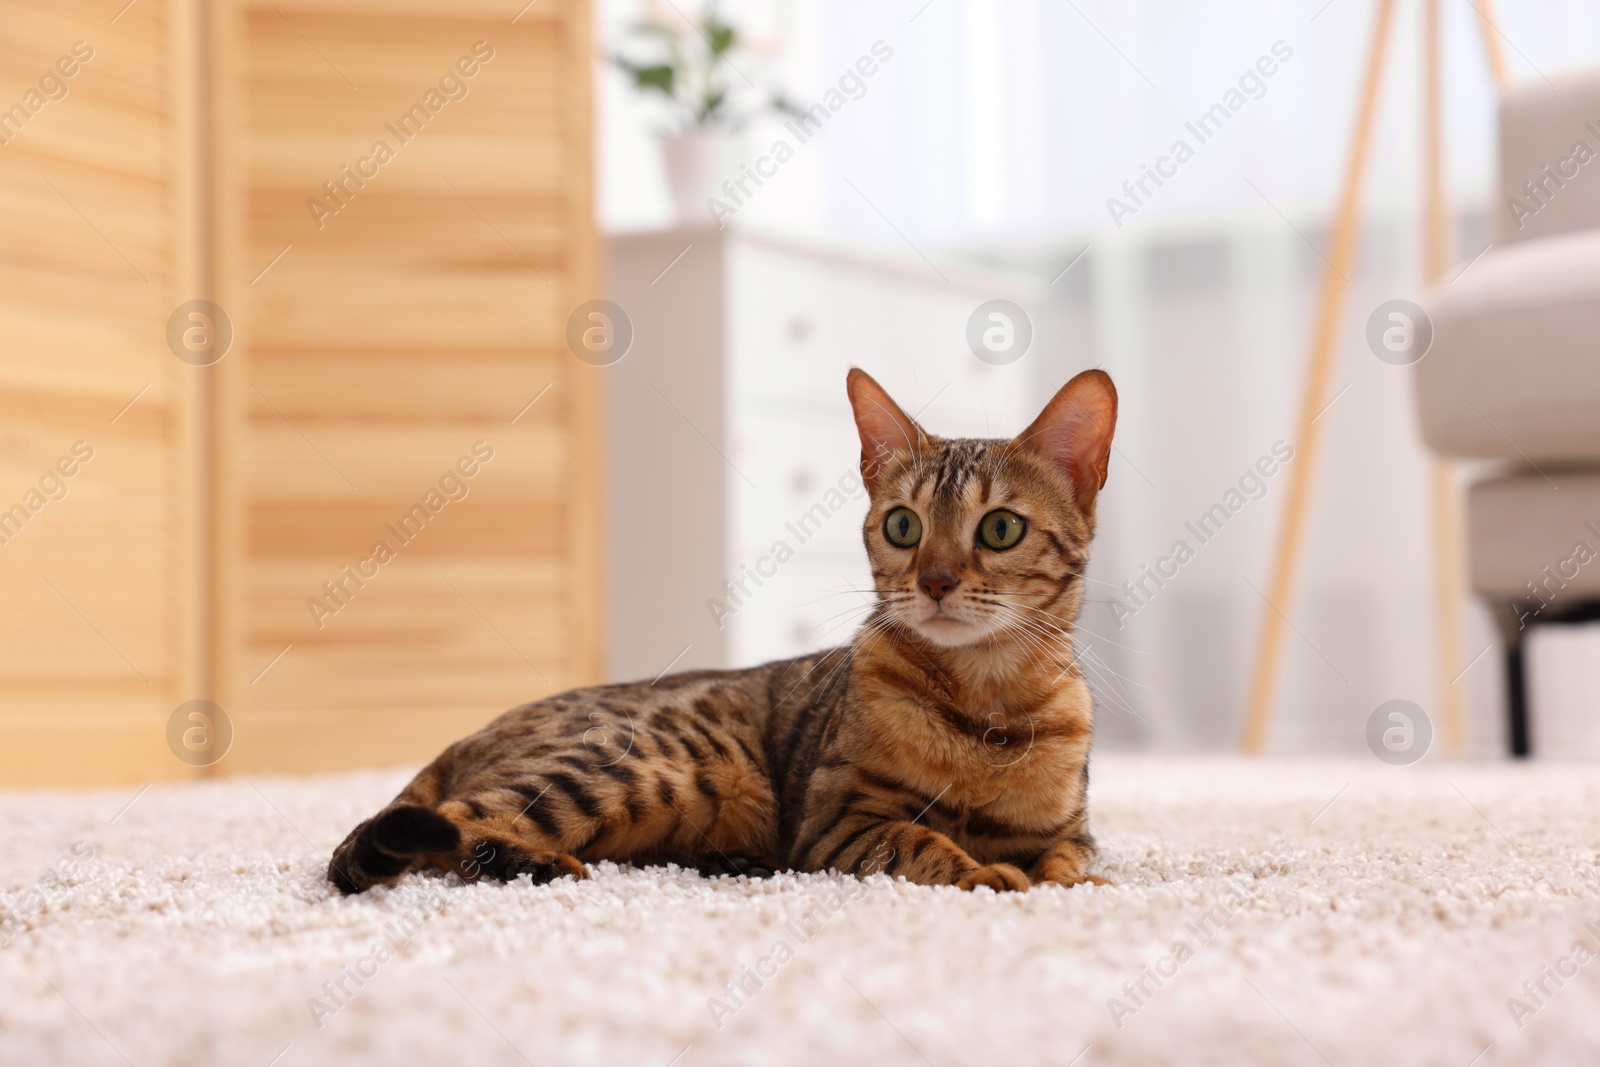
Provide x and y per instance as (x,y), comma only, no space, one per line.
(1514,375)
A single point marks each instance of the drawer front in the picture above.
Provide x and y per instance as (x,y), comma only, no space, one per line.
(798,323)
(804,484)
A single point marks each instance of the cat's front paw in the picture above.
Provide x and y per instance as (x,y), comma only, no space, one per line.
(1080,879)
(505,861)
(1001,877)
(545,867)
(715,864)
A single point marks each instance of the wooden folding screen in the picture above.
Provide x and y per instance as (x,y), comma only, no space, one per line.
(384,212)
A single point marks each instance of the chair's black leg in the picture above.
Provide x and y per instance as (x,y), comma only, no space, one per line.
(1517,701)
(1514,635)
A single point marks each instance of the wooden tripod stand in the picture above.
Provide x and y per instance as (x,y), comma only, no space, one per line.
(1323,358)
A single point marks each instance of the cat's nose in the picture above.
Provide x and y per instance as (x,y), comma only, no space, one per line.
(937,583)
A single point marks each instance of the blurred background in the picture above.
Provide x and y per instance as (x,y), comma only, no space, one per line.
(979,161)
(384,440)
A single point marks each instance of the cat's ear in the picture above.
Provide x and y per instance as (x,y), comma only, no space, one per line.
(885,430)
(1074,432)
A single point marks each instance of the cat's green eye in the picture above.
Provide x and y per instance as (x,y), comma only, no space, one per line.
(1001,529)
(902,527)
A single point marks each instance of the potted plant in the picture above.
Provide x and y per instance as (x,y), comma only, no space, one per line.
(688,64)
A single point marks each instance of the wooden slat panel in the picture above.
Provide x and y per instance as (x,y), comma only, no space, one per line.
(91,264)
(474,389)
(419,319)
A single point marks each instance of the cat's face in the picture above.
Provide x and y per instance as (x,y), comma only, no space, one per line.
(969,538)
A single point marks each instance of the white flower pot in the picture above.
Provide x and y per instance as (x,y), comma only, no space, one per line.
(697,162)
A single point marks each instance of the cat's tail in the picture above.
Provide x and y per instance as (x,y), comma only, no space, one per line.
(389,844)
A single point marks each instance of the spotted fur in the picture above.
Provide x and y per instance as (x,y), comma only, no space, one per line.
(948,743)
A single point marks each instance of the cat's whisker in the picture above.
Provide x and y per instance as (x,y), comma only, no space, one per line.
(1107,694)
(1045,618)
(1112,701)
(842,619)
(1096,581)
(1091,669)
(1006,622)
(852,609)
(874,628)
(807,674)
(830,596)
(1050,651)
(1085,648)
(834,673)
(1107,640)
(1065,638)
(1105,668)
(1032,646)
(1110,689)
(1041,620)
(816,639)
(1057,644)
(1019,626)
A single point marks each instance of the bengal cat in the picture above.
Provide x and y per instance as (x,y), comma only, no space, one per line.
(947,743)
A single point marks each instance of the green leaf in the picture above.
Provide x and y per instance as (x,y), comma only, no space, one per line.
(784,106)
(721,35)
(659,77)
(710,106)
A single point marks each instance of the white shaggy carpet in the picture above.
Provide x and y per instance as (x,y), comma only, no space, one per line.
(1369,914)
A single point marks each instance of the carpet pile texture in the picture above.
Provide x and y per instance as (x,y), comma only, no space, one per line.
(1270,913)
